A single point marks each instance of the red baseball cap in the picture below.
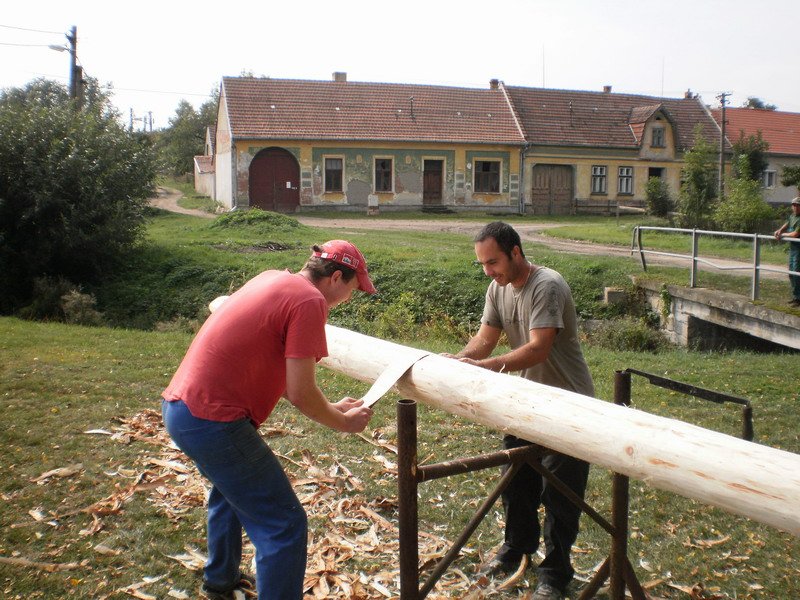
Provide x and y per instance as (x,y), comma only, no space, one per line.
(345,253)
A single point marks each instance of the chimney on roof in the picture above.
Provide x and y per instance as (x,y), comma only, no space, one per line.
(340,76)
(606,89)
(688,94)
(494,84)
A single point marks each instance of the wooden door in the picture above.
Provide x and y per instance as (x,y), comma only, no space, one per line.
(432,182)
(551,190)
(274,181)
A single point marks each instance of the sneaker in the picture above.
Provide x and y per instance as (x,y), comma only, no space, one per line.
(502,565)
(246,588)
(545,591)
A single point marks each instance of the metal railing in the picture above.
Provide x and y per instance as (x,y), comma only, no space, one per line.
(756,265)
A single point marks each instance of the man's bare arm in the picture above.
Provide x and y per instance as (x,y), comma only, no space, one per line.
(534,352)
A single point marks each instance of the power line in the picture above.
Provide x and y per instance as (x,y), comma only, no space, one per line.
(26,45)
(33,30)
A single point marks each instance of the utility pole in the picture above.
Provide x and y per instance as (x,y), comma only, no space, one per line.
(720,184)
(74,76)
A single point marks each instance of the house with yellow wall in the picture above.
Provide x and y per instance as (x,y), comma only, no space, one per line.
(600,148)
(298,145)
(292,145)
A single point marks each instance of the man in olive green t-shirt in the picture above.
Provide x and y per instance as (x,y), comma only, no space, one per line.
(533,306)
(791,229)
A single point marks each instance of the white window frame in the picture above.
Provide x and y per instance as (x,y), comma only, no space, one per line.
(499,163)
(325,159)
(625,180)
(768,179)
(374,172)
(599,179)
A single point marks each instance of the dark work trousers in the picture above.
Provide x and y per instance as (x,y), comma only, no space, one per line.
(521,500)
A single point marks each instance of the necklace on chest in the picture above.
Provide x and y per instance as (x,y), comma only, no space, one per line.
(517,291)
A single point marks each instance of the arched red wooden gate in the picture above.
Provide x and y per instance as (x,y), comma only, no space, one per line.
(274,181)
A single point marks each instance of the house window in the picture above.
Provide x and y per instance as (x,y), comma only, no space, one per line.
(383,175)
(768,179)
(487,176)
(625,180)
(334,167)
(598,179)
(659,139)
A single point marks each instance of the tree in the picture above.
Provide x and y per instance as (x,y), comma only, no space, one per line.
(186,134)
(754,150)
(758,103)
(659,202)
(698,182)
(790,175)
(743,209)
(73,188)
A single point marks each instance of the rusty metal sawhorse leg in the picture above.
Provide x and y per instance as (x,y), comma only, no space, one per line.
(411,474)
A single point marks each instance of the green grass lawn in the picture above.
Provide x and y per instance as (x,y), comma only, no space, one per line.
(119,520)
(619,231)
(60,381)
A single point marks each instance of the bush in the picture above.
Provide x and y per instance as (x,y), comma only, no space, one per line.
(743,210)
(79,309)
(46,299)
(398,320)
(628,334)
(698,183)
(659,203)
(255,218)
(73,188)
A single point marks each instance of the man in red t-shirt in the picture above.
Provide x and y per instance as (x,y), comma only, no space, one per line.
(261,343)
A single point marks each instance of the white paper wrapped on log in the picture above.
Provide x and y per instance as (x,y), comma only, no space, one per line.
(746,478)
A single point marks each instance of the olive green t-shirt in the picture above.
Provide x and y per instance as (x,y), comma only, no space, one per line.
(544,301)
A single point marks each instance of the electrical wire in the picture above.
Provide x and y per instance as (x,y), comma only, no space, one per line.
(26,45)
(32,30)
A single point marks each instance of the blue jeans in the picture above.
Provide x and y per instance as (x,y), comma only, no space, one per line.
(249,490)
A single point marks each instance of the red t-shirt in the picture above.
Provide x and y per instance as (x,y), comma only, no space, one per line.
(236,365)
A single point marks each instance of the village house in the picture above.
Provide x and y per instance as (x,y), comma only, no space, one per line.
(781,130)
(292,145)
(589,149)
(287,145)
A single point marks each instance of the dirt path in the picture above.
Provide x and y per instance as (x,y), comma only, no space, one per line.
(167,199)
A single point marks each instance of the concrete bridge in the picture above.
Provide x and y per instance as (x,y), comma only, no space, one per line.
(708,319)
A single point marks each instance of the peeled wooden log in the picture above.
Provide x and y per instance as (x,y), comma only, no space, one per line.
(749,479)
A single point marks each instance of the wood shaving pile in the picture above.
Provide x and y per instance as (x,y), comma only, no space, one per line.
(347,528)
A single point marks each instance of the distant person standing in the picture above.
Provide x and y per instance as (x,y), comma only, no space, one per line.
(791,229)
(260,344)
(533,306)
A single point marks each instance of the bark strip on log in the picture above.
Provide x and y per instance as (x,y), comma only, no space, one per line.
(745,478)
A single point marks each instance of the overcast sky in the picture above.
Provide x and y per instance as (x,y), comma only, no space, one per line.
(156,53)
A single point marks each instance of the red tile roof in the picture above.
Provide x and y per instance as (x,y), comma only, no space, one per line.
(205,164)
(780,129)
(261,108)
(600,119)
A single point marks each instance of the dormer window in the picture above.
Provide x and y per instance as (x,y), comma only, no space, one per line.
(659,138)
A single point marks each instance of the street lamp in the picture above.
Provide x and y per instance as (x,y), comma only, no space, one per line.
(74,77)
